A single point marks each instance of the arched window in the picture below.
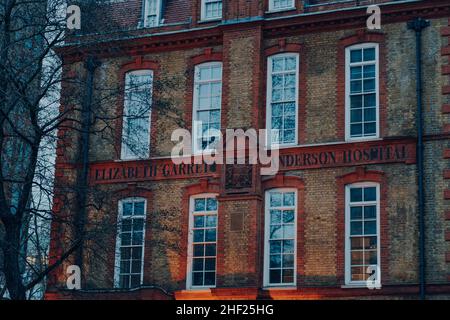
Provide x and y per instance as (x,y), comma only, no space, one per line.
(137,114)
(207,106)
(280,244)
(202,250)
(362,230)
(362,91)
(129,262)
(282,99)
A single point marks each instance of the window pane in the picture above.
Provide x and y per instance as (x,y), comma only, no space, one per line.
(199,221)
(275,246)
(370,212)
(199,204)
(275,261)
(370,194)
(356,228)
(288,246)
(275,199)
(275,276)
(211,204)
(356,194)
(369,54)
(356,213)
(356,55)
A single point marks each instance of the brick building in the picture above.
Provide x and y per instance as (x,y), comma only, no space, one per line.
(344,204)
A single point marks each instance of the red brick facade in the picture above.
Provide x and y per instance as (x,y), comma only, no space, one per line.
(318,168)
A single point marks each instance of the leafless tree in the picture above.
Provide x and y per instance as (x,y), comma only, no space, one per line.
(31,77)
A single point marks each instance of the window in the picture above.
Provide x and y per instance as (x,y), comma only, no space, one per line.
(211,9)
(362,93)
(130,243)
(152,13)
(282,99)
(362,244)
(280,238)
(137,114)
(202,242)
(279,5)
(207,106)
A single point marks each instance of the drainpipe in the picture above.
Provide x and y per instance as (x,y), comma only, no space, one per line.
(91,64)
(418,24)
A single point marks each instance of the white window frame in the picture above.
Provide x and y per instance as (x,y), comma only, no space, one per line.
(267,207)
(197,150)
(273,9)
(158,13)
(269,143)
(348,281)
(118,239)
(203,16)
(190,254)
(366,45)
(125,153)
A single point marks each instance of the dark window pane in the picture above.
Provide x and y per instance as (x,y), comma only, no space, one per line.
(126,239)
(370,212)
(370,227)
(137,253)
(198,250)
(136,266)
(210,235)
(370,194)
(197,278)
(126,225)
(139,208)
(127,208)
(275,261)
(211,204)
(370,128)
(137,238)
(210,264)
(355,73)
(356,86)
(355,102)
(370,114)
(356,115)
(210,250)
(125,266)
(199,235)
(199,204)
(369,54)
(197,264)
(275,246)
(138,224)
(210,278)
(288,261)
(356,55)
(199,221)
(356,194)
(356,129)
(355,213)
(356,228)
(135,281)
(211,221)
(275,276)
(124,281)
(369,85)
(370,100)
(288,246)
(369,71)
(125,253)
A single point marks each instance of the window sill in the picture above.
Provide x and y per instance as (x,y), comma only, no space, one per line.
(271,11)
(359,286)
(275,288)
(202,21)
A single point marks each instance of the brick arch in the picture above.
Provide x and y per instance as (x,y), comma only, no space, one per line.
(284,47)
(284,181)
(361,37)
(361,175)
(203,186)
(139,63)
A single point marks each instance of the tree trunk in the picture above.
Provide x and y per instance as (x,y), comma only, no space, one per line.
(12,258)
